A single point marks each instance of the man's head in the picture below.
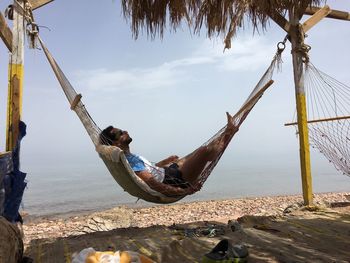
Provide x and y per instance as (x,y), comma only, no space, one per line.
(115,136)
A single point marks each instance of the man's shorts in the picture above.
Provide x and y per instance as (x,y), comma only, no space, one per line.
(173,176)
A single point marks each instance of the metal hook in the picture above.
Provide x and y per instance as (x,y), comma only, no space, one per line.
(281,46)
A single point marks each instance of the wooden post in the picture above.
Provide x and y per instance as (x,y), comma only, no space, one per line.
(14,41)
(297,41)
(15,86)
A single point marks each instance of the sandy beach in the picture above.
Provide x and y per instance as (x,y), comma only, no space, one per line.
(159,216)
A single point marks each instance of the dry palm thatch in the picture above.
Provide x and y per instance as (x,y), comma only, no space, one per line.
(220,17)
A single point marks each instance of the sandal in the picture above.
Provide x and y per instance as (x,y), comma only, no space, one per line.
(224,252)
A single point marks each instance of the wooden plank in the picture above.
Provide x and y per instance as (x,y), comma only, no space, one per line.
(39,3)
(5,33)
(315,18)
(320,120)
(336,14)
(280,20)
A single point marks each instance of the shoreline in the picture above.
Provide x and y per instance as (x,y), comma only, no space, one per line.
(29,218)
(55,226)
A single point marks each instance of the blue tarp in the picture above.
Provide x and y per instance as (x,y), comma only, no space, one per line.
(6,167)
(14,182)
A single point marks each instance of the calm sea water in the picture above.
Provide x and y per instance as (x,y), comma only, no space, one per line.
(75,187)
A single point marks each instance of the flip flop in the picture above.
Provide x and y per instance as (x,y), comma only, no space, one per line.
(224,252)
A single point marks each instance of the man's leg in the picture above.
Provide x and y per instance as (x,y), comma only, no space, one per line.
(194,164)
(192,167)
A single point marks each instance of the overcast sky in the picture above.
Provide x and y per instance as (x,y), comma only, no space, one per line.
(170,94)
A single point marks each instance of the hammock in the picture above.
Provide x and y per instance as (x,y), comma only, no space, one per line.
(328,113)
(328,110)
(114,158)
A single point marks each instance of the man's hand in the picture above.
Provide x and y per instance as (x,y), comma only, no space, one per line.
(184,191)
(165,189)
(172,158)
(165,162)
(192,189)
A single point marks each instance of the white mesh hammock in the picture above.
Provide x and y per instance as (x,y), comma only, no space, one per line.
(328,112)
(114,158)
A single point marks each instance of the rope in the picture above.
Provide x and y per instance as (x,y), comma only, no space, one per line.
(303,48)
(32,29)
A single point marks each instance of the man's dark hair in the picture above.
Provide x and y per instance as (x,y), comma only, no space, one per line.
(106,136)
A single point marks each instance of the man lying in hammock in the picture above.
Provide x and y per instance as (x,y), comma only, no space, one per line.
(171,176)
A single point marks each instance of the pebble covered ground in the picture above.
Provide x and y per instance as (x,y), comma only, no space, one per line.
(214,210)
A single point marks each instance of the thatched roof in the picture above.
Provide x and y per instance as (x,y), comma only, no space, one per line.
(220,17)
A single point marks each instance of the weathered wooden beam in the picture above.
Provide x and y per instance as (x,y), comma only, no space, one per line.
(38,3)
(336,14)
(315,18)
(5,33)
(281,21)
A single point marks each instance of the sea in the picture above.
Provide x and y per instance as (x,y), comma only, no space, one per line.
(78,187)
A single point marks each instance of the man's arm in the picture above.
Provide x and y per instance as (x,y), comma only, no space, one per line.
(165,189)
(168,160)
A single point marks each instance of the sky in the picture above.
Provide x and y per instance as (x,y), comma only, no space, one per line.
(171,94)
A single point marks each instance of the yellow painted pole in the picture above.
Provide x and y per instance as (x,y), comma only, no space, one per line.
(297,40)
(15,85)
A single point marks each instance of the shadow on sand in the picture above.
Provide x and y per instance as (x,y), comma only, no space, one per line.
(300,236)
